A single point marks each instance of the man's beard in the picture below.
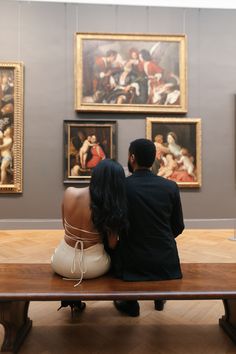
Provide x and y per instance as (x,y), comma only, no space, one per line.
(130,168)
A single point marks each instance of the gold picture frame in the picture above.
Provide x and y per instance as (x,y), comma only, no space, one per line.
(11,127)
(178,144)
(86,143)
(130,73)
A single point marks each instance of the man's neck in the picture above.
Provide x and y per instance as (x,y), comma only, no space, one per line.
(141,168)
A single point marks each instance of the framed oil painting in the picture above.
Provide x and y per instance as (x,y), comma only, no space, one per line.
(178,144)
(130,73)
(86,143)
(11,126)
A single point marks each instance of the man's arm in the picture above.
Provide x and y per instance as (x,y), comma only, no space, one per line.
(177,222)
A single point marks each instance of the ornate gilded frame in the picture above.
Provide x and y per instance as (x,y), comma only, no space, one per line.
(188,134)
(149,92)
(75,133)
(11,114)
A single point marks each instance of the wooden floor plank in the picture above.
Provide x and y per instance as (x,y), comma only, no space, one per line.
(184,327)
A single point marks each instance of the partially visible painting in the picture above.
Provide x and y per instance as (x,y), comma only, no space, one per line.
(86,143)
(178,145)
(130,72)
(11,126)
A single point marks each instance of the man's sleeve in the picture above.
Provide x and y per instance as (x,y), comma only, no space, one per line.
(177,222)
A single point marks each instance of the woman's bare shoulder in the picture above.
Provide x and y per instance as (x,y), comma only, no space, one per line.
(73,192)
(75,199)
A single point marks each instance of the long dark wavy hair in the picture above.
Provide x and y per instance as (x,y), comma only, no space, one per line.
(108,197)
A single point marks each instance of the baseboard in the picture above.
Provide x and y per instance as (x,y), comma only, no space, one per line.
(30,224)
(210,223)
(48,224)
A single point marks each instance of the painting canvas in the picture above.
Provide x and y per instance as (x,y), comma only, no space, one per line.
(130,72)
(11,126)
(178,145)
(86,143)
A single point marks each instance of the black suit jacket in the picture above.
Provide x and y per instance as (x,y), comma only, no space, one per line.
(149,251)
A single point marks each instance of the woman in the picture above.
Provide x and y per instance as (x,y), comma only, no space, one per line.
(173,147)
(96,152)
(91,216)
(5,153)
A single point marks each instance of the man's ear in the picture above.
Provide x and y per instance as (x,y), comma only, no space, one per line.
(132,158)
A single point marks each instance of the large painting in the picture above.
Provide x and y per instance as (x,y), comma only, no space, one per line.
(130,72)
(11,126)
(178,145)
(86,143)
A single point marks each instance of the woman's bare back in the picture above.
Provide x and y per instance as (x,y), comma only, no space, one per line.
(76,214)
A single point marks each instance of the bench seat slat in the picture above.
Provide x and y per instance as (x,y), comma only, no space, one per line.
(37,282)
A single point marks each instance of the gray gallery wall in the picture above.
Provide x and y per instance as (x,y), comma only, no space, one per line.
(41,35)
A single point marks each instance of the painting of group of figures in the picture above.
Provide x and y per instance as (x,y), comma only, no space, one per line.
(87,144)
(178,146)
(130,73)
(11,125)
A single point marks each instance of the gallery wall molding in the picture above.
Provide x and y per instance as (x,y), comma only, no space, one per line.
(207,4)
(56,224)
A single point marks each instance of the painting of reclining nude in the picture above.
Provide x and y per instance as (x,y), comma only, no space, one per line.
(11,127)
(132,73)
(86,144)
(178,149)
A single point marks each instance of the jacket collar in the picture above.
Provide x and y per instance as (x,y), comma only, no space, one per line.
(142,172)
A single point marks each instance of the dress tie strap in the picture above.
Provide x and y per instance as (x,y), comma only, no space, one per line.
(80,262)
(79,246)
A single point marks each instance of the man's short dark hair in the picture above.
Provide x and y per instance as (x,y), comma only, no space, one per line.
(145,55)
(112,53)
(144,151)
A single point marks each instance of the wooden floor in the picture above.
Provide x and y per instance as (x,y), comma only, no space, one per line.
(184,327)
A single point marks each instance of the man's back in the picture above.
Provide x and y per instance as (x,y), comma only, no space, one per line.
(149,250)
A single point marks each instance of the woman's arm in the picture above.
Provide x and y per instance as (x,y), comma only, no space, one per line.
(113,239)
(62,213)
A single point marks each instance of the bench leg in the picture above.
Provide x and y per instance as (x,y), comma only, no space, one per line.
(228,321)
(16,323)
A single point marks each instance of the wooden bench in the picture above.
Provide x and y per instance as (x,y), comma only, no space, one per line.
(22,283)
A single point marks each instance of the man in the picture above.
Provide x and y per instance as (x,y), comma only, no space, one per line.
(104,68)
(149,251)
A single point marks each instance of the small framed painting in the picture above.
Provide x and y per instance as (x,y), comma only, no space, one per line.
(86,143)
(178,149)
